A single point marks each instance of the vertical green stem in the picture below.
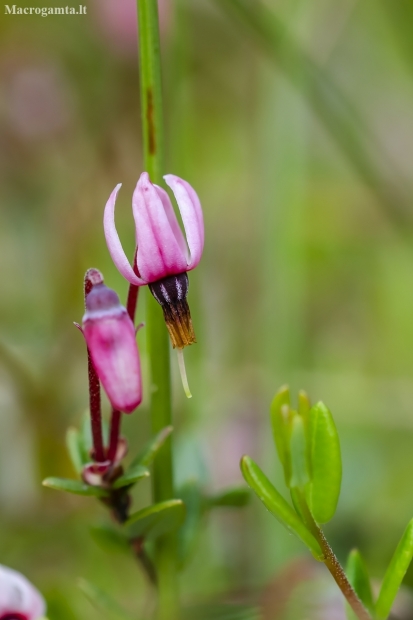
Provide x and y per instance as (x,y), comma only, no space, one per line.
(157,335)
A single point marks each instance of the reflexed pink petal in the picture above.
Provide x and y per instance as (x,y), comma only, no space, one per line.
(110,337)
(18,596)
(113,242)
(159,254)
(170,214)
(192,217)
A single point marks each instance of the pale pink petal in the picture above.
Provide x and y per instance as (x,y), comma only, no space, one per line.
(113,242)
(159,254)
(115,356)
(19,596)
(192,217)
(170,214)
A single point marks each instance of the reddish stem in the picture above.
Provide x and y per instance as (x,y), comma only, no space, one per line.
(114,434)
(95,411)
(93,277)
(132,301)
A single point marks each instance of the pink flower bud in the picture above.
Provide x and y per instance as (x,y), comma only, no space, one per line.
(19,600)
(111,340)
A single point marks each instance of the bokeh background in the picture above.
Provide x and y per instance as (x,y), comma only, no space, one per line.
(297,133)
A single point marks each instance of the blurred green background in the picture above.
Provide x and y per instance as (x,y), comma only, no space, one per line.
(296,129)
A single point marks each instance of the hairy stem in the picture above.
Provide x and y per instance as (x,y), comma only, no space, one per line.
(115,422)
(340,578)
(92,278)
(95,411)
(157,335)
(330,559)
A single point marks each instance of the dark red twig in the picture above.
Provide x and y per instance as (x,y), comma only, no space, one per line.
(114,434)
(95,411)
(132,301)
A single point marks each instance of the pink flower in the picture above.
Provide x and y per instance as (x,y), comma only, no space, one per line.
(111,340)
(19,600)
(163,256)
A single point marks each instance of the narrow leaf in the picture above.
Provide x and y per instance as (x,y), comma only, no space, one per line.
(74,448)
(298,449)
(358,576)
(280,416)
(348,128)
(236,498)
(100,599)
(109,539)
(277,505)
(395,573)
(325,464)
(148,453)
(132,475)
(191,495)
(156,520)
(74,486)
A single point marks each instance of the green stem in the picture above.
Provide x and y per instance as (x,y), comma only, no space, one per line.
(157,335)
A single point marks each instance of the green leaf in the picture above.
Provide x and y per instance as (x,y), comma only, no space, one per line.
(156,520)
(325,464)
(298,448)
(147,455)
(74,486)
(280,422)
(395,573)
(74,447)
(237,497)
(277,505)
(304,405)
(191,495)
(100,599)
(358,576)
(109,539)
(85,438)
(132,475)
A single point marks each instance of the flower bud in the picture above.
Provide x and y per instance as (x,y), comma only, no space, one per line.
(111,340)
(19,599)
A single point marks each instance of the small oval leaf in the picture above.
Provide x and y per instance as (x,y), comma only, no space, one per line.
(236,497)
(298,449)
(395,573)
(280,415)
(325,464)
(131,476)
(358,576)
(74,486)
(277,505)
(156,520)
